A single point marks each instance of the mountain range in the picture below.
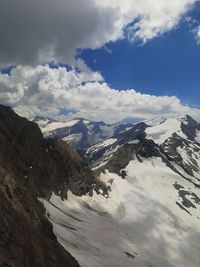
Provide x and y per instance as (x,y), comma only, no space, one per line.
(131,197)
(78,132)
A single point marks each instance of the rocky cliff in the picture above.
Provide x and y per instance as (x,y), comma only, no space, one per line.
(31,168)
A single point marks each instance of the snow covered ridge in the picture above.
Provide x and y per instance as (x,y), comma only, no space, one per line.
(166,128)
(168,134)
(91,133)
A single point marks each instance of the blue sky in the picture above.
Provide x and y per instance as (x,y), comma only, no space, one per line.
(166,65)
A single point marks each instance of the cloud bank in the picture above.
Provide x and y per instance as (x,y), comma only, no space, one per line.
(45,91)
(39,31)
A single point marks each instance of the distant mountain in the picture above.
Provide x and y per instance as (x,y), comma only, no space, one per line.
(78,132)
(176,141)
(102,152)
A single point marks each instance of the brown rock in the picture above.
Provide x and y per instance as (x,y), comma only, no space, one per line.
(32,167)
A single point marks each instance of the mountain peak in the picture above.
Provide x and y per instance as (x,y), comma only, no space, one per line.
(187,119)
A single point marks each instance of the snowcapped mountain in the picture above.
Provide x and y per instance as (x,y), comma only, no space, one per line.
(148,210)
(174,139)
(78,132)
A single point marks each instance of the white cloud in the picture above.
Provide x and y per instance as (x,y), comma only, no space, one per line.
(197,34)
(44,91)
(152,17)
(41,31)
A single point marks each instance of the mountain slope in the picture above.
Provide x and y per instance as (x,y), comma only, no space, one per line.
(30,168)
(174,140)
(151,214)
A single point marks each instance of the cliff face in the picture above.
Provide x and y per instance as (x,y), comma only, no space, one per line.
(30,168)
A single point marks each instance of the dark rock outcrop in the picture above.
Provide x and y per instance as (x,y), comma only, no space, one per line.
(32,167)
(189,127)
(137,132)
(143,149)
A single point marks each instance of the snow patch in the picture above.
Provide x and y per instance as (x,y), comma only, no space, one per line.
(134,142)
(73,138)
(105,143)
(161,132)
(57,125)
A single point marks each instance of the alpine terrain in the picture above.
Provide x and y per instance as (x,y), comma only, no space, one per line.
(79,133)
(99,133)
(148,210)
(132,200)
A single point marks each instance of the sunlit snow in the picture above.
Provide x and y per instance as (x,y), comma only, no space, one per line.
(140,224)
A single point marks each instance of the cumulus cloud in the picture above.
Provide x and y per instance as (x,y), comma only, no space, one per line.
(45,91)
(38,31)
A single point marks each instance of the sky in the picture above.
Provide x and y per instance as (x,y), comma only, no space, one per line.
(102,60)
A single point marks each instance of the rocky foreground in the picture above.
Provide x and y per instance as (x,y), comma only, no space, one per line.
(31,168)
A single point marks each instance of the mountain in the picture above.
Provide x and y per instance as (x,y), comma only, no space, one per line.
(138,205)
(175,140)
(148,211)
(101,153)
(31,168)
(78,132)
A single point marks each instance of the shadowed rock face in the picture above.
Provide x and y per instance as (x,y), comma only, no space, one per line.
(127,152)
(135,133)
(189,129)
(30,168)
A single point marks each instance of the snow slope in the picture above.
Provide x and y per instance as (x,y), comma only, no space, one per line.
(107,142)
(140,224)
(150,216)
(162,131)
(57,125)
